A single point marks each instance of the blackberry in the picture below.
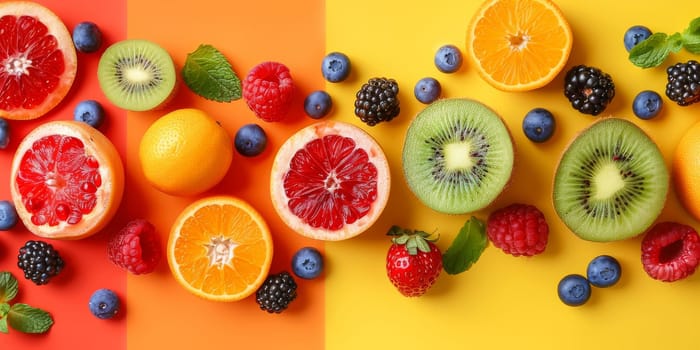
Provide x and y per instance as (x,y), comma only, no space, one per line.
(377,101)
(588,89)
(276,292)
(39,261)
(683,85)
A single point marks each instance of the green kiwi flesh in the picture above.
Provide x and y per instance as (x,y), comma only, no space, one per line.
(611,182)
(457,156)
(136,75)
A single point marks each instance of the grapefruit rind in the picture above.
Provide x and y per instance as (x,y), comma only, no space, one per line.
(109,194)
(296,142)
(188,212)
(64,41)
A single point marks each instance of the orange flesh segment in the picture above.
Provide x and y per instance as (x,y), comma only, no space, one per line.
(521,43)
(225,232)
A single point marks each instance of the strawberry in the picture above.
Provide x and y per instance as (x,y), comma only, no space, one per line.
(413,262)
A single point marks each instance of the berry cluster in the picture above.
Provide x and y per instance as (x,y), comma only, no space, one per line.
(602,272)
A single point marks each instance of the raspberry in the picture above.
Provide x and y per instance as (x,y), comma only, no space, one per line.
(670,251)
(518,229)
(267,89)
(135,248)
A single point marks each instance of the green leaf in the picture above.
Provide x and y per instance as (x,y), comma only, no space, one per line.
(466,248)
(675,42)
(4,309)
(27,319)
(3,325)
(651,52)
(8,287)
(208,74)
(691,37)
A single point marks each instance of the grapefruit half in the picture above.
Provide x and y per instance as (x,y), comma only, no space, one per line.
(37,60)
(67,180)
(330,181)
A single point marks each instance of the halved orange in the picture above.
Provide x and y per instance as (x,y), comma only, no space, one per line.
(220,248)
(519,45)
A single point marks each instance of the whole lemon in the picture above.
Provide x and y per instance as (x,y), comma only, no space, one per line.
(185,152)
(686,170)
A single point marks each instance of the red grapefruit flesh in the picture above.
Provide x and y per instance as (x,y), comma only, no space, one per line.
(67,180)
(37,60)
(330,181)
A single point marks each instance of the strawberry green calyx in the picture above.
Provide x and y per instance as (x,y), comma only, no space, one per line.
(414,241)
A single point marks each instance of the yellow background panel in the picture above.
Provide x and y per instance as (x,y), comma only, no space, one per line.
(503,301)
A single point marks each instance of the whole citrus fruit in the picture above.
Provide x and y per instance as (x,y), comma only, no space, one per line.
(220,248)
(185,152)
(330,181)
(519,45)
(39,60)
(67,180)
(685,170)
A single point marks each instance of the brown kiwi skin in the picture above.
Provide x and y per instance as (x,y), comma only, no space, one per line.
(497,199)
(571,141)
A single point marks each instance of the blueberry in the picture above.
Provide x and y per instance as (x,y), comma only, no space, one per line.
(647,104)
(427,90)
(574,290)
(4,133)
(91,112)
(335,67)
(539,125)
(250,140)
(104,303)
(635,35)
(604,271)
(87,37)
(307,263)
(448,59)
(318,104)
(8,215)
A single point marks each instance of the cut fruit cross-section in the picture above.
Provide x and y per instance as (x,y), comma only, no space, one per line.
(37,60)
(519,45)
(220,248)
(67,180)
(330,181)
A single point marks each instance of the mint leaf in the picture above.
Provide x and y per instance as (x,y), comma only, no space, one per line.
(208,74)
(3,325)
(675,42)
(466,248)
(27,319)
(4,309)
(691,37)
(651,52)
(8,287)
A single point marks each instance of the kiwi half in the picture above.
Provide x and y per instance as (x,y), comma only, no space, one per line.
(136,75)
(611,182)
(457,156)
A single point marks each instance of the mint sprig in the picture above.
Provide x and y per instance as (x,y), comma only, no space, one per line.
(654,50)
(20,317)
(208,74)
(466,248)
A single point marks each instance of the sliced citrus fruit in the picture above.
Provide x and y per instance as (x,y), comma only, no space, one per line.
(330,181)
(37,60)
(519,45)
(220,248)
(67,180)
